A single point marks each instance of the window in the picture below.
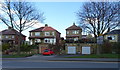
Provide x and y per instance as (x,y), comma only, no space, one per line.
(12,36)
(45,41)
(67,32)
(37,40)
(111,37)
(47,33)
(53,41)
(37,33)
(6,36)
(0,36)
(49,40)
(75,39)
(75,32)
(30,34)
(53,33)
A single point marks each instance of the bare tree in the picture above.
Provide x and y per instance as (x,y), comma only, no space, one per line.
(7,11)
(99,17)
(21,15)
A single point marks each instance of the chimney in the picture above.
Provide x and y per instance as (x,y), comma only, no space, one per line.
(46,25)
(74,23)
(10,27)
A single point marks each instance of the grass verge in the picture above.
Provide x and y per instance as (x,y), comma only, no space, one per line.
(16,56)
(97,56)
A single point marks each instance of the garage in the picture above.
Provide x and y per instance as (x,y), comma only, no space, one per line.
(86,50)
(71,50)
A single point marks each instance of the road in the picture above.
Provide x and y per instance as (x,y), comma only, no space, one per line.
(45,62)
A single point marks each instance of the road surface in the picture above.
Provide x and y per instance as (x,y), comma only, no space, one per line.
(45,62)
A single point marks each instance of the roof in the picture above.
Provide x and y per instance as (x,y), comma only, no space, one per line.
(46,28)
(10,32)
(114,32)
(38,29)
(74,27)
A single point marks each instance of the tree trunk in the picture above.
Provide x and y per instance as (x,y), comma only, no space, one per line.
(98,49)
(19,42)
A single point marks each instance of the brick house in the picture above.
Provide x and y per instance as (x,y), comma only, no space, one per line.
(73,32)
(44,36)
(73,44)
(11,36)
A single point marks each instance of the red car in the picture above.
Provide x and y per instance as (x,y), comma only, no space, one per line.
(48,52)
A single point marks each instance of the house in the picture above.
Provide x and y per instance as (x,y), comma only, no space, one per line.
(11,36)
(73,33)
(44,36)
(113,36)
(76,42)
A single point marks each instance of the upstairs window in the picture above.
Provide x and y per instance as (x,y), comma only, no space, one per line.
(12,36)
(68,32)
(53,33)
(75,32)
(47,33)
(37,33)
(6,36)
(30,34)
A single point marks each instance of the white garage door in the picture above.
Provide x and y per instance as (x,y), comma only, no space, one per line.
(71,50)
(85,50)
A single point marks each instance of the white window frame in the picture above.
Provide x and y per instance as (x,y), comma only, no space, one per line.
(53,33)
(30,33)
(13,36)
(47,33)
(37,33)
(50,40)
(68,32)
(75,32)
(75,39)
(37,40)
(6,37)
(46,40)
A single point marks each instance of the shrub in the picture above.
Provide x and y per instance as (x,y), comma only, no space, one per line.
(26,47)
(109,47)
(5,46)
(106,48)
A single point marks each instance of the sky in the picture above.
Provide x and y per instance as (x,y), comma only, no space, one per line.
(59,15)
